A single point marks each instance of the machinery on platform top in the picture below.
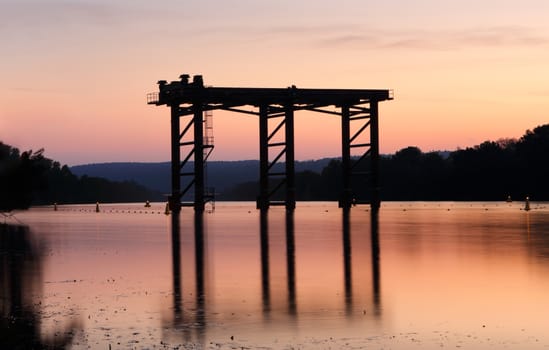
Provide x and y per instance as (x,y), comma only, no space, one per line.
(185,91)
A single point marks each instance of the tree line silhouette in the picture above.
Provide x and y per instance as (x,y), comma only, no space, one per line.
(490,171)
(28,178)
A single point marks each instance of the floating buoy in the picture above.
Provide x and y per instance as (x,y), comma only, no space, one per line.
(97,207)
(147,204)
(167,209)
(527,204)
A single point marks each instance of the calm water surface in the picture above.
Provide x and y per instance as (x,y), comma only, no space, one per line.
(421,275)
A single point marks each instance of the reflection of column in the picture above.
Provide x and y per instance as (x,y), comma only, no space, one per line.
(528,223)
(182,319)
(347,271)
(178,311)
(290,256)
(375,260)
(199,265)
(265,271)
(176,268)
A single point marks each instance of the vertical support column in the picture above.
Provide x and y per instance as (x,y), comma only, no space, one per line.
(198,157)
(263,200)
(374,141)
(345,200)
(290,157)
(175,198)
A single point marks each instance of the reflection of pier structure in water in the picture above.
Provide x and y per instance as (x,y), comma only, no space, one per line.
(182,320)
(291,262)
(290,252)
(291,278)
(275,107)
(190,318)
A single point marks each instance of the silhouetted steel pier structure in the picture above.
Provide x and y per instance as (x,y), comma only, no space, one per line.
(358,110)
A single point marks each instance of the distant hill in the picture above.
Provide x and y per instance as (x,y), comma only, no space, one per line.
(222,175)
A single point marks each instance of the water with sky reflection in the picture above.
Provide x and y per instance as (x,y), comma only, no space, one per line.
(419,275)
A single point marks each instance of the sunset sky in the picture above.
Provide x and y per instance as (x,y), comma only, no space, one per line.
(74,74)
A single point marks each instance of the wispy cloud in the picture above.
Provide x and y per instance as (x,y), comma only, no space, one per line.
(54,13)
(60,18)
(66,15)
(350,40)
(501,36)
(348,36)
(437,40)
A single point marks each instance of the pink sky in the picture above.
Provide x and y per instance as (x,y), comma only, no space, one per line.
(74,75)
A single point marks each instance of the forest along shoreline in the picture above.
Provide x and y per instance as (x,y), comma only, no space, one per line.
(490,171)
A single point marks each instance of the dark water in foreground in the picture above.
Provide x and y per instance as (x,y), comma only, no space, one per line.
(470,275)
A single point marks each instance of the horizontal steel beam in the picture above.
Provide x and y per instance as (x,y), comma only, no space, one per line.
(177,92)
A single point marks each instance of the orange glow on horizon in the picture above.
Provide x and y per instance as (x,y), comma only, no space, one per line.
(460,78)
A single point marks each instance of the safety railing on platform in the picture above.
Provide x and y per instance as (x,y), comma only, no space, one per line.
(153,98)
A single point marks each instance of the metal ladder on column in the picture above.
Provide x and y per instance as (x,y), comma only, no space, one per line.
(209,192)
